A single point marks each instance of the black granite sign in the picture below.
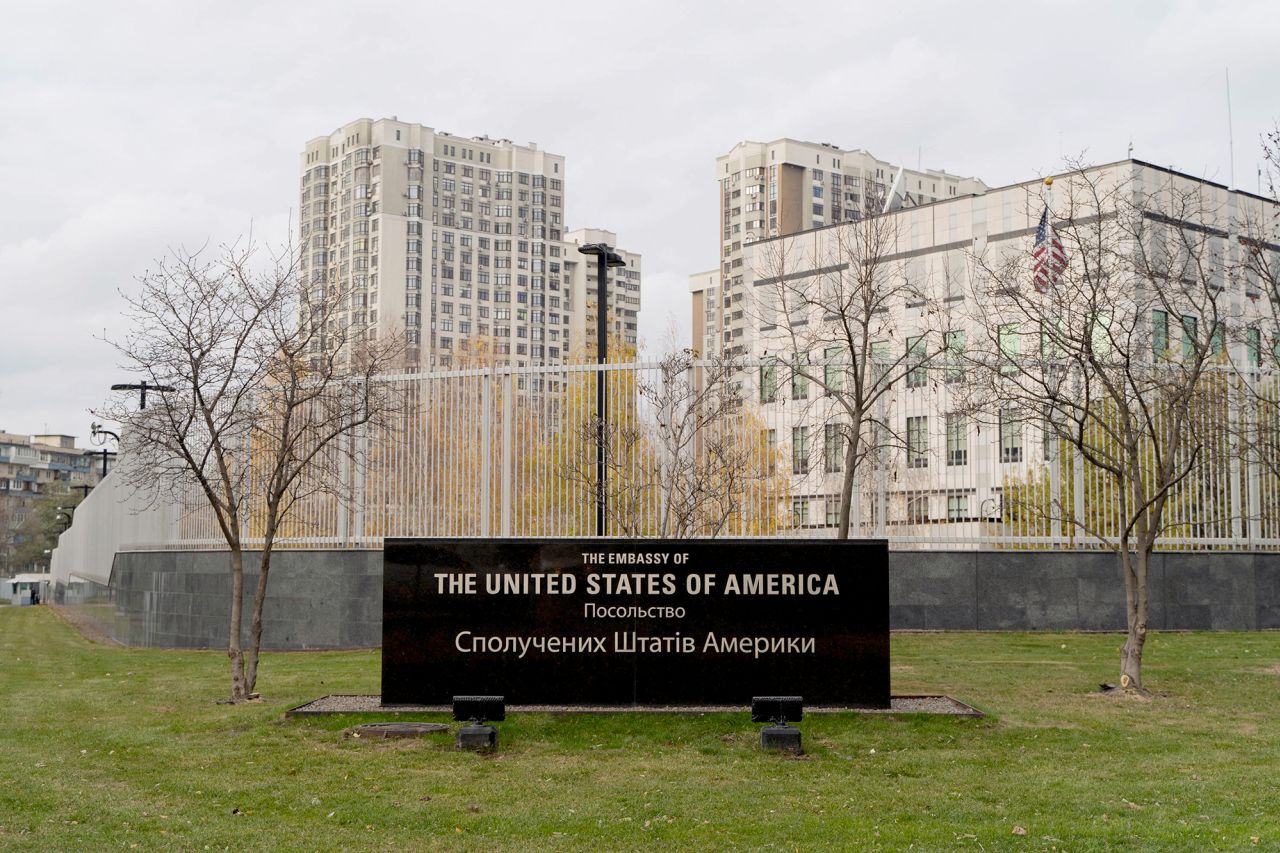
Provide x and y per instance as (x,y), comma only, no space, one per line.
(636,622)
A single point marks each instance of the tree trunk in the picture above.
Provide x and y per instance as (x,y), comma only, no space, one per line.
(846,483)
(1135,587)
(239,691)
(255,619)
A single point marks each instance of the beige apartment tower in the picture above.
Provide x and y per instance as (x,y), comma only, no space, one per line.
(773,189)
(450,241)
(623,294)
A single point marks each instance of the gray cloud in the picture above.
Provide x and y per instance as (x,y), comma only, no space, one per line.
(130,127)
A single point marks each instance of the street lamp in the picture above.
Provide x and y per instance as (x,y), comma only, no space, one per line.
(142,387)
(66,519)
(95,430)
(605,258)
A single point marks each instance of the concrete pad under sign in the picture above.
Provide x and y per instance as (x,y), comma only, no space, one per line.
(372,704)
(386,731)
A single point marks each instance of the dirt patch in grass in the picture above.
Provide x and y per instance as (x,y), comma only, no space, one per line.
(84,626)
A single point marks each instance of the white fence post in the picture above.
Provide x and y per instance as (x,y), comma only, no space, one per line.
(1239,502)
(1055,485)
(882,477)
(508,419)
(1077,487)
(1253,466)
(359,453)
(486,451)
(345,487)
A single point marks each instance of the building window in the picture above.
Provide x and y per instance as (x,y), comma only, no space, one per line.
(800,450)
(1010,344)
(1100,335)
(1159,334)
(917,375)
(1051,337)
(832,448)
(1188,337)
(799,382)
(800,512)
(768,383)
(1010,437)
(1217,343)
(917,509)
(1253,346)
(957,440)
(832,370)
(918,442)
(957,507)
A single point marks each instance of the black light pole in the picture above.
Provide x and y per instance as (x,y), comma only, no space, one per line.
(605,258)
(95,430)
(142,387)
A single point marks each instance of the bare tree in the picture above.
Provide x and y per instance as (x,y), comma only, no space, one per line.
(1115,353)
(1271,157)
(1258,270)
(840,312)
(713,469)
(685,455)
(270,382)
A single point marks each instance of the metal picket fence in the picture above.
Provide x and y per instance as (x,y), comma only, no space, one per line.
(753,452)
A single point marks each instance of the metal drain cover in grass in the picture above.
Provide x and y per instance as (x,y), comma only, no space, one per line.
(396,730)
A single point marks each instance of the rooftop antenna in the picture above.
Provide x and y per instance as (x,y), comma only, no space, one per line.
(1130,157)
(1231,144)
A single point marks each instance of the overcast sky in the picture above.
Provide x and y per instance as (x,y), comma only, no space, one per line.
(126,128)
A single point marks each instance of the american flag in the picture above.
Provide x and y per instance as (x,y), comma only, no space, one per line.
(1050,257)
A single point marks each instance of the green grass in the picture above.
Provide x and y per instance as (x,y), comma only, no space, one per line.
(109,748)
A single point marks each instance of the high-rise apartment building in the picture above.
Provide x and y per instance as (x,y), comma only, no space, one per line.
(38,466)
(447,240)
(778,188)
(623,292)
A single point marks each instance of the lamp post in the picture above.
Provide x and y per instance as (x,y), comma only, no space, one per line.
(141,387)
(605,257)
(95,430)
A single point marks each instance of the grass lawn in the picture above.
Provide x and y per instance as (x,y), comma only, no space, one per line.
(109,748)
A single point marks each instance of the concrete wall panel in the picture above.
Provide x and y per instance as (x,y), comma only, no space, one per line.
(333,599)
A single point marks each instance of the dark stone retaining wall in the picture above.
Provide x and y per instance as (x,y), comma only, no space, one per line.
(333,599)
(182,599)
(1067,590)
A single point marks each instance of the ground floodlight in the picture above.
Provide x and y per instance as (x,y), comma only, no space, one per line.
(778,710)
(476,711)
